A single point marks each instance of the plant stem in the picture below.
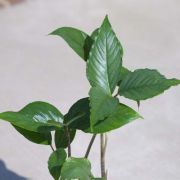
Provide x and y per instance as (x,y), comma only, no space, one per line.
(103,145)
(69,141)
(90,145)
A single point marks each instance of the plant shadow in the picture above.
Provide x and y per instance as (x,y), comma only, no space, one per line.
(6,174)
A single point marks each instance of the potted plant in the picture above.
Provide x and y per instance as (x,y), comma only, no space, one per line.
(97,114)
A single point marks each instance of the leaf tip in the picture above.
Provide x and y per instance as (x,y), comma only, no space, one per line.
(56,31)
(106,19)
(51,33)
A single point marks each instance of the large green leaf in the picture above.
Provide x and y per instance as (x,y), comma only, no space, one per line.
(106,113)
(81,110)
(145,83)
(121,116)
(55,162)
(37,116)
(35,137)
(104,59)
(78,40)
(61,138)
(102,105)
(76,168)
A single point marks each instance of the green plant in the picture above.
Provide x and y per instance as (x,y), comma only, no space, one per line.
(97,114)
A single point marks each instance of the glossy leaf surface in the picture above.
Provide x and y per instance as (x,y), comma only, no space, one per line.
(102,105)
(55,162)
(145,83)
(76,168)
(37,116)
(78,40)
(104,59)
(107,116)
(121,116)
(81,110)
(61,140)
(35,137)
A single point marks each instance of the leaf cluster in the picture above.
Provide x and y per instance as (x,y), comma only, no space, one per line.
(101,112)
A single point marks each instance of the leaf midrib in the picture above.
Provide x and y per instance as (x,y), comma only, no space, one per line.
(107,65)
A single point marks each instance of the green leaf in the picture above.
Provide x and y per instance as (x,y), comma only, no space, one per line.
(81,110)
(37,116)
(102,105)
(55,162)
(61,140)
(78,40)
(145,83)
(76,168)
(123,73)
(121,116)
(106,113)
(104,59)
(95,33)
(35,137)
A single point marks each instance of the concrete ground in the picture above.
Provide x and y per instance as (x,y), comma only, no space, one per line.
(34,66)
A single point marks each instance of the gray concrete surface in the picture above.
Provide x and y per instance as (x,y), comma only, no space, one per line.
(34,66)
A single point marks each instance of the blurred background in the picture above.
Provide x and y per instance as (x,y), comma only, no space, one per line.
(34,66)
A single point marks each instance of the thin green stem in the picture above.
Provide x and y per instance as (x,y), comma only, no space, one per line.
(90,145)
